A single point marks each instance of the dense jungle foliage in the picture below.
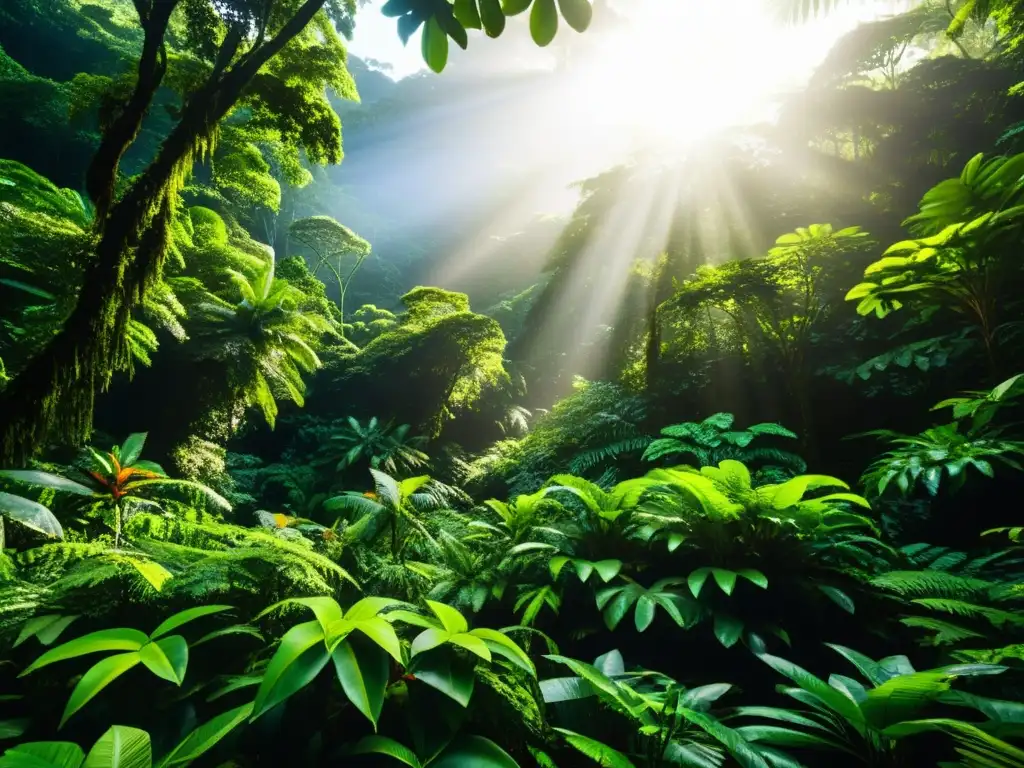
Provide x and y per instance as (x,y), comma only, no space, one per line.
(267,500)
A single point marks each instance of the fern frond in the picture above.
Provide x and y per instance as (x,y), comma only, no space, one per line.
(613,451)
(933,583)
(995,616)
(945,633)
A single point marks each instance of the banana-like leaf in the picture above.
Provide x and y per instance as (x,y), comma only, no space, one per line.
(31,514)
(98,677)
(121,747)
(206,736)
(298,660)
(120,639)
(362,670)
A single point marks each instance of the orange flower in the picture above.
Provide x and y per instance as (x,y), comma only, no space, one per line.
(370,495)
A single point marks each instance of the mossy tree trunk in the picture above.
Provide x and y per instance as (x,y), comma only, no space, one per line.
(53,397)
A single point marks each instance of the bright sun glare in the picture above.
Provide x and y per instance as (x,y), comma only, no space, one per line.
(680,70)
(675,73)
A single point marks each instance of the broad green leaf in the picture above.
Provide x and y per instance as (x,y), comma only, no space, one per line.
(466,13)
(434,44)
(600,753)
(383,634)
(543,22)
(696,580)
(742,752)
(821,690)
(151,571)
(838,597)
(450,618)
(206,736)
(31,514)
(792,491)
(556,564)
(131,449)
(121,747)
(427,640)
(644,614)
(556,689)
(442,670)
(607,569)
(966,734)
(902,697)
(120,639)
(326,609)
(410,617)
(725,579)
(778,713)
(475,751)
(492,17)
(727,629)
(391,9)
(47,480)
(504,646)
(369,607)
(291,668)
(43,754)
(166,658)
(49,634)
(872,670)
(577,13)
(617,608)
(754,576)
(184,617)
(472,644)
(703,696)
(583,568)
(382,745)
(625,697)
(514,7)
(38,624)
(99,676)
(362,670)
(787,737)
